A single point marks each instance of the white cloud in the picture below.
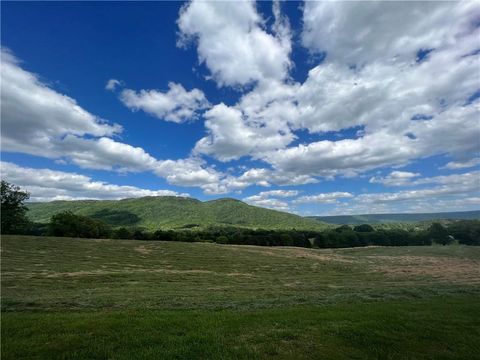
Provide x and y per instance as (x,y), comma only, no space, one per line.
(469,180)
(260,177)
(112,84)
(358,32)
(384,98)
(106,154)
(233,43)
(279,193)
(177,104)
(401,178)
(395,178)
(231,136)
(38,120)
(462,164)
(449,193)
(347,156)
(35,118)
(48,185)
(325,198)
(187,172)
(453,130)
(268,199)
(401,110)
(274,204)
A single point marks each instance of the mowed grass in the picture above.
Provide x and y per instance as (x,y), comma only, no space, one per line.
(68,298)
(443,328)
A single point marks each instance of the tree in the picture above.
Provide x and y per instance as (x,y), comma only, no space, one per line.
(122,233)
(13,211)
(348,238)
(222,239)
(343,228)
(363,228)
(467,232)
(439,234)
(71,225)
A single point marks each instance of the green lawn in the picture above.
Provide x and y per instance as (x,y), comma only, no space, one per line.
(116,299)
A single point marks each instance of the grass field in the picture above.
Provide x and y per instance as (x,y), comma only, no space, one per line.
(116,299)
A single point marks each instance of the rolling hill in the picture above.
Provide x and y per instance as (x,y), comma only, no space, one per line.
(397,218)
(170,212)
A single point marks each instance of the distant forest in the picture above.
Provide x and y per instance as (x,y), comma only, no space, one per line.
(68,224)
(397,218)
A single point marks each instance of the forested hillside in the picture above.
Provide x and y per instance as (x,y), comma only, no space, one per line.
(174,212)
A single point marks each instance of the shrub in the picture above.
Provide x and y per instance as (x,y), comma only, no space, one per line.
(71,225)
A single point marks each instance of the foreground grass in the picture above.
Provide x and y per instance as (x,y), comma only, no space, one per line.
(68,298)
(415,329)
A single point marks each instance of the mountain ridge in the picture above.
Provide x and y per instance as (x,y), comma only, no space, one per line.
(171,212)
(397,217)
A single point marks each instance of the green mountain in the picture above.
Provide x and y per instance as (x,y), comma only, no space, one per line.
(397,218)
(170,212)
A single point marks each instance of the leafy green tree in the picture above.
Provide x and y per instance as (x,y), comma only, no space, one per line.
(13,211)
(286,240)
(71,225)
(122,233)
(439,234)
(348,238)
(222,239)
(343,228)
(364,228)
(467,232)
(321,240)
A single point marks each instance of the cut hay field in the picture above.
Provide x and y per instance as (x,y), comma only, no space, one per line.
(66,298)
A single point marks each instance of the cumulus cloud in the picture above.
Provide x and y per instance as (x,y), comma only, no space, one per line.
(188,172)
(325,198)
(395,178)
(35,118)
(274,204)
(233,42)
(106,154)
(402,178)
(38,120)
(112,84)
(356,32)
(279,193)
(231,136)
(462,164)
(177,104)
(445,193)
(48,185)
(383,79)
(269,199)
(405,109)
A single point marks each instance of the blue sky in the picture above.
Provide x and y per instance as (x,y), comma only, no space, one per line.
(316,108)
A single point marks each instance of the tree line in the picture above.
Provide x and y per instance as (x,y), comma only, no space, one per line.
(68,224)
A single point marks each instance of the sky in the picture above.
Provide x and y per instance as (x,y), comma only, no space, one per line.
(316,108)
